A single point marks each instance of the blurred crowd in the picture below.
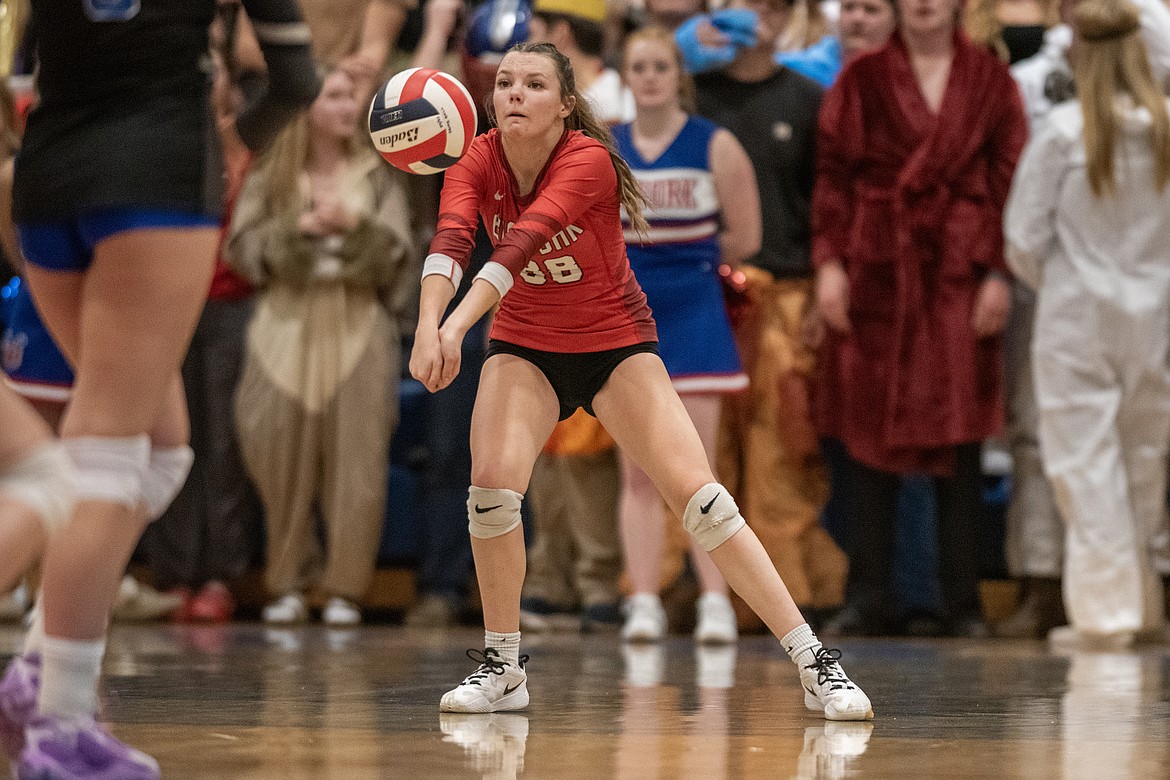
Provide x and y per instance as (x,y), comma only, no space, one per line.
(926,338)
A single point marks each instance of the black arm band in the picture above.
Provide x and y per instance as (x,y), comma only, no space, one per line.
(293,81)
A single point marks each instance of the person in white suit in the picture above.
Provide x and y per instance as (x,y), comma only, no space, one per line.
(1035,533)
(1085,226)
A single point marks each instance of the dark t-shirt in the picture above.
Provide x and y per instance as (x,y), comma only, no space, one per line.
(776,122)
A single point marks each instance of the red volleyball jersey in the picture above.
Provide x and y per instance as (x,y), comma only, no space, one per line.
(573,288)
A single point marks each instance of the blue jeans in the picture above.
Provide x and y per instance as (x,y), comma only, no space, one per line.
(915,568)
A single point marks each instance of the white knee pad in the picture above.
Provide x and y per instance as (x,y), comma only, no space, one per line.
(165,476)
(711,516)
(45,481)
(110,468)
(492,511)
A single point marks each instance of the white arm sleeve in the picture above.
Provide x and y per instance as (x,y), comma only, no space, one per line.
(1030,215)
(497,275)
(442,265)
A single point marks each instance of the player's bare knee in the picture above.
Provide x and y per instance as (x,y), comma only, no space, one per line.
(712,516)
(110,468)
(492,512)
(166,474)
(44,481)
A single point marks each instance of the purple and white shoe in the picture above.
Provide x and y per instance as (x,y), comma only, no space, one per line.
(79,749)
(19,689)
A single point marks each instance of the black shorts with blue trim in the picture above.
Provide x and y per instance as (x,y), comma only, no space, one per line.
(67,244)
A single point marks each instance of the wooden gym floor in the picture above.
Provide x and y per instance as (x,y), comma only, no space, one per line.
(245,701)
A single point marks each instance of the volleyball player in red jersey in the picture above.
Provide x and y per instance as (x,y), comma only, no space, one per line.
(573,330)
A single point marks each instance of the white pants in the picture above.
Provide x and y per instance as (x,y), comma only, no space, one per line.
(1103,389)
(1034,545)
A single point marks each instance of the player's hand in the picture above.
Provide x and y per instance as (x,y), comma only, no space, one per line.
(832,291)
(426,359)
(451,349)
(993,303)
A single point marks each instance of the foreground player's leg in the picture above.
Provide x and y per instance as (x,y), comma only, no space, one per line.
(134,310)
(168,466)
(641,409)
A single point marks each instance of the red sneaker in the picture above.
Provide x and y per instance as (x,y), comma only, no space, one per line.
(213,604)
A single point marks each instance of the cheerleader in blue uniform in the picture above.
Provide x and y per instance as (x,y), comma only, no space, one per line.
(118,207)
(32,364)
(704,211)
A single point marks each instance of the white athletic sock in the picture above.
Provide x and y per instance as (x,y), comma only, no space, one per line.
(508,645)
(801,644)
(69,675)
(36,630)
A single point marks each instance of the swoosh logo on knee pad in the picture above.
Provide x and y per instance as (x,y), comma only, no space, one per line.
(707,508)
(479,510)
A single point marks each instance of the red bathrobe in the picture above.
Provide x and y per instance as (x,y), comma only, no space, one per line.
(911,203)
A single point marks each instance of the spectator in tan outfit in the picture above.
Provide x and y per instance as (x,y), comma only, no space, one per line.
(322,228)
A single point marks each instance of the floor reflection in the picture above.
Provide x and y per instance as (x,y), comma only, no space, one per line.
(829,750)
(647,746)
(250,703)
(493,744)
(1106,717)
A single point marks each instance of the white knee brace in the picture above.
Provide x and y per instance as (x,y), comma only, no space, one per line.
(110,468)
(165,476)
(492,511)
(711,516)
(45,481)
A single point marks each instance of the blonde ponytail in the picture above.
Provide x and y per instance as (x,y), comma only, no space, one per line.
(1112,60)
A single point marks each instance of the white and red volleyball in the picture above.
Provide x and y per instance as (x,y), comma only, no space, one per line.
(422,120)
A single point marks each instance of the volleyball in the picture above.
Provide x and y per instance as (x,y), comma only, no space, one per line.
(422,120)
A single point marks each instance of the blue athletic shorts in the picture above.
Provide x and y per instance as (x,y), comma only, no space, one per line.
(68,244)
